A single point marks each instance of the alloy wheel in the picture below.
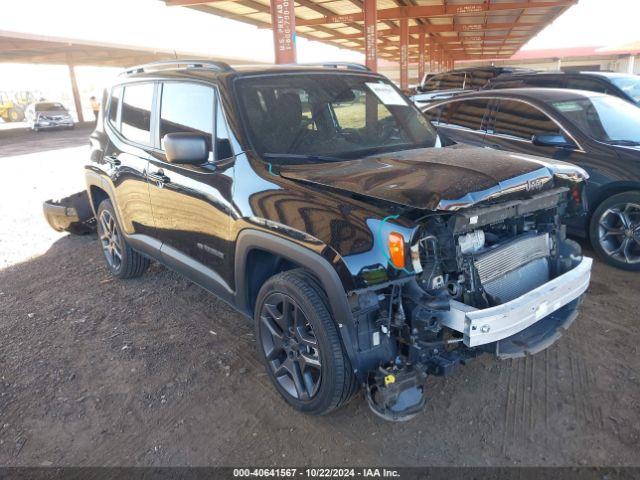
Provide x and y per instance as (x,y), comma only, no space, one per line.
(619,232)
(110,238)
(290,346)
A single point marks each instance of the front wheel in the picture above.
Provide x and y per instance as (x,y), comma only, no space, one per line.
(299,344)
(122,260)
(615,231)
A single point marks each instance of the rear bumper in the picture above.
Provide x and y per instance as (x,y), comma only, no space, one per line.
(481,327)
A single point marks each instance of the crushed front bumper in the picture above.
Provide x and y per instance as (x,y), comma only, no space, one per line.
(481,327)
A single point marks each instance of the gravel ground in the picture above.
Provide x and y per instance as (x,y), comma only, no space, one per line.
(155,371)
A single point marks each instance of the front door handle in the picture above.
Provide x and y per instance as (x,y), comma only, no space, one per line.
(113,161)
(159,177)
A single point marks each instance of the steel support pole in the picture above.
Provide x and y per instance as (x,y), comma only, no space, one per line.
(283,21)
(74,89)
(404,54)
(371,34)
(421,59)
(432,55)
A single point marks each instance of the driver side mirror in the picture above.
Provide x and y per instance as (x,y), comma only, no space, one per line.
(554,140)
(186,148)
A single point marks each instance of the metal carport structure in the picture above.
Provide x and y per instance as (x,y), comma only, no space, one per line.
(17,47)
(432,33)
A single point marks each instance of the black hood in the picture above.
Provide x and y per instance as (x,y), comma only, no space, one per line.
(437,178)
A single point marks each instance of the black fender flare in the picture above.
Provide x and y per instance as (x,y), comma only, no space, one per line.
(250,239)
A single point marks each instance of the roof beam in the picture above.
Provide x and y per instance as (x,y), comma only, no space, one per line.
(427,11)
(458,27)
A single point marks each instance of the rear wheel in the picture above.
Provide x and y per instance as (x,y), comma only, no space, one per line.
(299,344)
(122,260)
(615,230)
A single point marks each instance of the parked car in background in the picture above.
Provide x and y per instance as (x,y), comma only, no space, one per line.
(448,84)
(45,115)
(600,133)
(318,202)
(623,85)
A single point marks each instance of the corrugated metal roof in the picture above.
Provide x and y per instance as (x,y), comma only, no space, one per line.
(464,29)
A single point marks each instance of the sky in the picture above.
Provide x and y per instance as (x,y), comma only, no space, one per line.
(150,23)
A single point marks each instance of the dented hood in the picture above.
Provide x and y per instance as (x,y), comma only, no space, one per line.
(434,178)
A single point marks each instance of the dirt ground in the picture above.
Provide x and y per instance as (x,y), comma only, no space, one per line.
(155,371)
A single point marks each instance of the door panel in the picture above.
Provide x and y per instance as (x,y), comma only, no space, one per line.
(190,203)
(127,163)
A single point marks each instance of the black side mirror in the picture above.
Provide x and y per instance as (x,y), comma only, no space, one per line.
(554,140)
(186,148)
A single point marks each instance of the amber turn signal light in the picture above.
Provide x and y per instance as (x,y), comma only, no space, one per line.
(396,249)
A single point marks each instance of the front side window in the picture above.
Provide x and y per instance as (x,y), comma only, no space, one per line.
(187,107)
(604,118)
(521,120)
(629,85)
(334,115)
(465,114)
(136,113)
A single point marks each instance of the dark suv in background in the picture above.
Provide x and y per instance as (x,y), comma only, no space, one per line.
(622,85)
(317,202)
(445,85)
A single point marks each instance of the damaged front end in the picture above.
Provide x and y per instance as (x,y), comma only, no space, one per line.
(498,278)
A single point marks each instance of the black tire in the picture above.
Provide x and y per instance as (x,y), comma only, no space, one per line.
(131,264)
(337,383)
(611,248)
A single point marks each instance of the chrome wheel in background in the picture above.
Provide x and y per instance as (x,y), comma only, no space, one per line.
(619,232)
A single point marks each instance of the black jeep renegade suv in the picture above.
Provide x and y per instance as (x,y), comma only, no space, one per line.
(318,201)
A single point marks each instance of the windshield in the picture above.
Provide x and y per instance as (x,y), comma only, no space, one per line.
(49,107)
(605,118)
(629,85)
(321,116)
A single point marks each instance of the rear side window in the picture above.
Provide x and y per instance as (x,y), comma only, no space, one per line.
(466,114)
(187,108)
(586,84)
(478,79)
(114,105)
(136,113)
(545,82)
(520,120)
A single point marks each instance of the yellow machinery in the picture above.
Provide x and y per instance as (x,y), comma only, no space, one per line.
(12,106)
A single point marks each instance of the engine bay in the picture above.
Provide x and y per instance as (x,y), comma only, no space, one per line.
(475,260)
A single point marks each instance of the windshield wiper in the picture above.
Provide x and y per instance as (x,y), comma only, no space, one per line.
(298,156)
(625,143)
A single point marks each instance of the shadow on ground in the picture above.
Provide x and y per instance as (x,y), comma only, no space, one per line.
(155,371)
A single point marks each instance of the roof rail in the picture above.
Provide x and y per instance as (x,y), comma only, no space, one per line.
(168,64)
(345,65)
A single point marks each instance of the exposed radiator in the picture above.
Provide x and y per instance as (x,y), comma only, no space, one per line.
(499,261)
(515,268)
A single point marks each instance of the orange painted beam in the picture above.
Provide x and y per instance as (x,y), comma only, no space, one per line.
(283,19)
(370,34)
(456,28)
(404,54)
(421,56)
(429,11)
